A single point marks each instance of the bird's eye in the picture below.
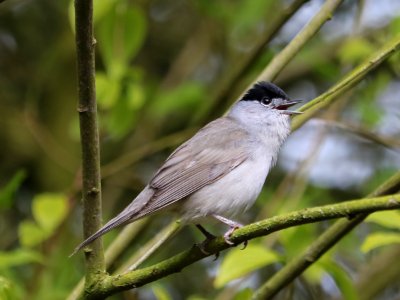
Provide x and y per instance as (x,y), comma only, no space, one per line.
(265,101)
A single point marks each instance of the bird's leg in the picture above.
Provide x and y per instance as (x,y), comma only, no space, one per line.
(232,227)
(209,237)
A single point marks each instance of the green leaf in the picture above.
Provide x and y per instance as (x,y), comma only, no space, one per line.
(135,96)
(315,272)
(238,263)
(355,50)
(49,210)
(30,234)
(7,289)
(342,279)
(8,191)
(183,97)
(244,294)
(19,257)
(121,118)
(395,25)
(296,238)
(160,292)
(100,9)
(108,90)
(379,239)
(370,112)
(389,219)
(121,34)
(196,297)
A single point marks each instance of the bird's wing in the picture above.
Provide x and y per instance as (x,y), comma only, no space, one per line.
(209,155)
(213,152)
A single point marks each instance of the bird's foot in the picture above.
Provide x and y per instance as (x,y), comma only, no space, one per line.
(232,227)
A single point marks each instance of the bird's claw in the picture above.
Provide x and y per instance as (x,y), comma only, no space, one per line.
(244,245)
(227,238)
(228,234)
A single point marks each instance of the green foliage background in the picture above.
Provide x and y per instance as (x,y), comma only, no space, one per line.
(160,68)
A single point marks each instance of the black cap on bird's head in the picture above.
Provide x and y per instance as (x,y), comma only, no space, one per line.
(271,96)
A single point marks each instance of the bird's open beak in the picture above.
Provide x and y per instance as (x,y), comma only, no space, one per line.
(288,103)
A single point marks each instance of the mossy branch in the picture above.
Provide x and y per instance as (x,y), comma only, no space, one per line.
(320,246)
(113,284)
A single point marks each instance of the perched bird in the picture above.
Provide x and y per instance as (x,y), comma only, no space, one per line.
(220,171)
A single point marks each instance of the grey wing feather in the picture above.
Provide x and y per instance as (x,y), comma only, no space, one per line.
(213,152)
(188,168)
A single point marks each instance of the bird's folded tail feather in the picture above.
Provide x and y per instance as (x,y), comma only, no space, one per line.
(128,215)
(119,220)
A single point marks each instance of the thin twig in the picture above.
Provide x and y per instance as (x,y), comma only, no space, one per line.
(365,133)
(348,82)
(150,247)
(294,47)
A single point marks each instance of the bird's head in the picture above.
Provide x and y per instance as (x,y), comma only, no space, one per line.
(271,97)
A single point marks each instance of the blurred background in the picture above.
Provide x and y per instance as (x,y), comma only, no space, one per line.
(164,69)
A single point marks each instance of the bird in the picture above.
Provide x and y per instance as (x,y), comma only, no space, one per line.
(220,171)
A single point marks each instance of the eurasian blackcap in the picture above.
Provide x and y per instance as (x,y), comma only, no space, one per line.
(220,171)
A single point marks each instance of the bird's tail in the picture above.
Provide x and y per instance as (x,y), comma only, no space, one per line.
(128,215)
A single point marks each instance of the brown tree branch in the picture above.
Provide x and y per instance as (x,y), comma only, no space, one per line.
(91,186)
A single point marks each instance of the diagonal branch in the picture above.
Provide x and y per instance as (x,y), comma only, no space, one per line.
(137,278)
(294,47)
(227,83)
(348,82)
(325,242)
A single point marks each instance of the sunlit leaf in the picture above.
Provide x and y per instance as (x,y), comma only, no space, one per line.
(7,289)
(135,96)
(178,99)
(108,90)
(367,106)
(238,263)
(49,210)
(121,33)
(379,239)
(296,238)
(315,272)
(355,50)
(30,234)
(121,118)
(389,219)
(395,25)
(7,192)
(19,257)
(160,292)
(244,294)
